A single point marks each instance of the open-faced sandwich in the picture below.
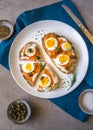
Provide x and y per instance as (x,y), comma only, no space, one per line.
(30,51)
(61,52)
(49,80)
(31,71)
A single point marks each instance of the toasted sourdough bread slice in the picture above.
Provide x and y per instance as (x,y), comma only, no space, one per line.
(30,51)
(61,52)
(49,80)
(31,71)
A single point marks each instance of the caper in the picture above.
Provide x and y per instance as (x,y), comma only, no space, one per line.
(22,117)
(19,114)
(15,110)
(23,114)
(24,107)
(18,109)
(10,112)
(21,104)
(12,106)
(21,111)
(13,114)
(18,106)
(19,118)
(15,117)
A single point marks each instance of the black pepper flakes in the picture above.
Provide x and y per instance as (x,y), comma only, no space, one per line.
(4,31)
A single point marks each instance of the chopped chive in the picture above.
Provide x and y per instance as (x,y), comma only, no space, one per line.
(38,58)
(58,50)
(73,80)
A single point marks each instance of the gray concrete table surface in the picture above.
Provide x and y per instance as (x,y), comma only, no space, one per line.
(45,115)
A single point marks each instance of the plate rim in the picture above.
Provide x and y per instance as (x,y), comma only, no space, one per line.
(20,34)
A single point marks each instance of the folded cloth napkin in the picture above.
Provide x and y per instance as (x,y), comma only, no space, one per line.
(68,103)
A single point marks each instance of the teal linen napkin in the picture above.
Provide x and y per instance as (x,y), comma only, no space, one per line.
(68,103)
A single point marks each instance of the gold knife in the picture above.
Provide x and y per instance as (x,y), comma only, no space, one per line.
(79,23)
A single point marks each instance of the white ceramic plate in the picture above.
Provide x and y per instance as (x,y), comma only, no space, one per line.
(34,32)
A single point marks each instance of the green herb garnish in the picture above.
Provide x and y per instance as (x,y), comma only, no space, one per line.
(30,74)
(42,77)
(58,50)
(67,67)
(38,57)
(38,31)
(41,65)
(30,50)
(73,57)
(36,38)
(74,79)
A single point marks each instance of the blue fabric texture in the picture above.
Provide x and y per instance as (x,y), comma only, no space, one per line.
(68,103)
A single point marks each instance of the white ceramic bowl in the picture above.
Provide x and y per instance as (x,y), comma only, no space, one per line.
(28,111)
(9,25)
(85,101)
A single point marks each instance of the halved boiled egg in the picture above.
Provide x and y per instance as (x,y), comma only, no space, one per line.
(51,43)
(66,46)
(63,59)
(28,67)
(30,51)
(45,81)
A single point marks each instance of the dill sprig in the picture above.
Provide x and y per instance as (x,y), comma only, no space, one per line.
(74,79)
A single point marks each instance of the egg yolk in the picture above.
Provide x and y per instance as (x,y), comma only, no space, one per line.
(44,81)
(66,46)
(51,42)
(63,58)
(29,67)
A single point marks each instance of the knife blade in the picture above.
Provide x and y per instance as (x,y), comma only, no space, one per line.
(79,23)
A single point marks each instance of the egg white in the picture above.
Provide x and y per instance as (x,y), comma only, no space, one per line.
(62,63)
(49,81)
(54,46)
(28,53)
(30,69)
(34,77)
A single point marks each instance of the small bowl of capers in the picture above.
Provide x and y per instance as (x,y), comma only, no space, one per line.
(19,111)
